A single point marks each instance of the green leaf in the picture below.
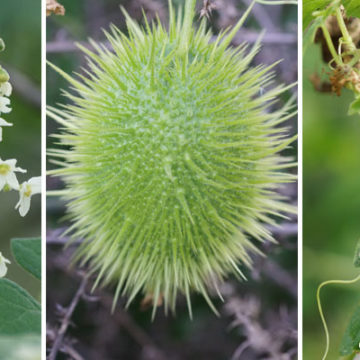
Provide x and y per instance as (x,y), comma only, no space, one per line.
(352,7)
(313,23)
(20,312)
(27,253)
(309,6)
(351,339)
(20,347)
(354,107)
(357,255)
(310,33)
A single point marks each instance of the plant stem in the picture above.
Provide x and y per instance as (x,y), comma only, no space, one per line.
(330,45)
(345,34)
(321,311)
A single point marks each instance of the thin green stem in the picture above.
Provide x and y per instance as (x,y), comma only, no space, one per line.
(330,45)
(355,59)
(345,34)
(321,311)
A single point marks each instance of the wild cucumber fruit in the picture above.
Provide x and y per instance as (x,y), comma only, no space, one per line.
(171,158)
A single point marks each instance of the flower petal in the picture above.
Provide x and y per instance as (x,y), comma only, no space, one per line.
(6,89)
(12,180)
(2,182)
(3,268)
(35,183)
(24,205)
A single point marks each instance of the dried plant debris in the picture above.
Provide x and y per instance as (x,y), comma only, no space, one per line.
(53,7)
(271,336)
(207,9)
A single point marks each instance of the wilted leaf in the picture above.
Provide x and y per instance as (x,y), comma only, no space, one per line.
(53,6)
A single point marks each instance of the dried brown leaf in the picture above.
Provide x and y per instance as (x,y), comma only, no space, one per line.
(52,6)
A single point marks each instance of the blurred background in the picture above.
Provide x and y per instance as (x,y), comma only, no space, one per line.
(331,208)
(20,28)
(259,317)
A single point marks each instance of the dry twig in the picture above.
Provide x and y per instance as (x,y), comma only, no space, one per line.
(66,319)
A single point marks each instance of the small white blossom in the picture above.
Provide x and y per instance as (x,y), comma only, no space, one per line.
(4,103)
(3,267)
(7,174)
(6,89)
(3,123)
(27,190)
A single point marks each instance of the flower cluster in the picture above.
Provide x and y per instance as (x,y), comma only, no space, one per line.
(8,168)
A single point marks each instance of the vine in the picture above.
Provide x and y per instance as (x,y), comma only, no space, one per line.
(330,25)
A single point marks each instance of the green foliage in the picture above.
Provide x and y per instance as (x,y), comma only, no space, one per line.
(27,253)
(352,7)
(313,23)
(354,107)
(20,312)
(310,6)
(345,59)
(357,255)
(171,158)
(351,339)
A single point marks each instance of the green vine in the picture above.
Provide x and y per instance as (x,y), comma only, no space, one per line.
(352,336)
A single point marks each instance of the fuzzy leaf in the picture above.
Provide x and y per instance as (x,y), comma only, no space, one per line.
(20,312)
(27,252)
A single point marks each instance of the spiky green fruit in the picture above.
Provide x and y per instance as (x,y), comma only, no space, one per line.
(171,159)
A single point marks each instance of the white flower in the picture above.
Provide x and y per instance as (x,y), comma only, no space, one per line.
(28,189)
(3,123)
(7,174)
(6,89)
(4,102)
(3,267)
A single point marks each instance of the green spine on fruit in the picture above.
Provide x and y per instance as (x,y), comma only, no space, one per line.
(171,158)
